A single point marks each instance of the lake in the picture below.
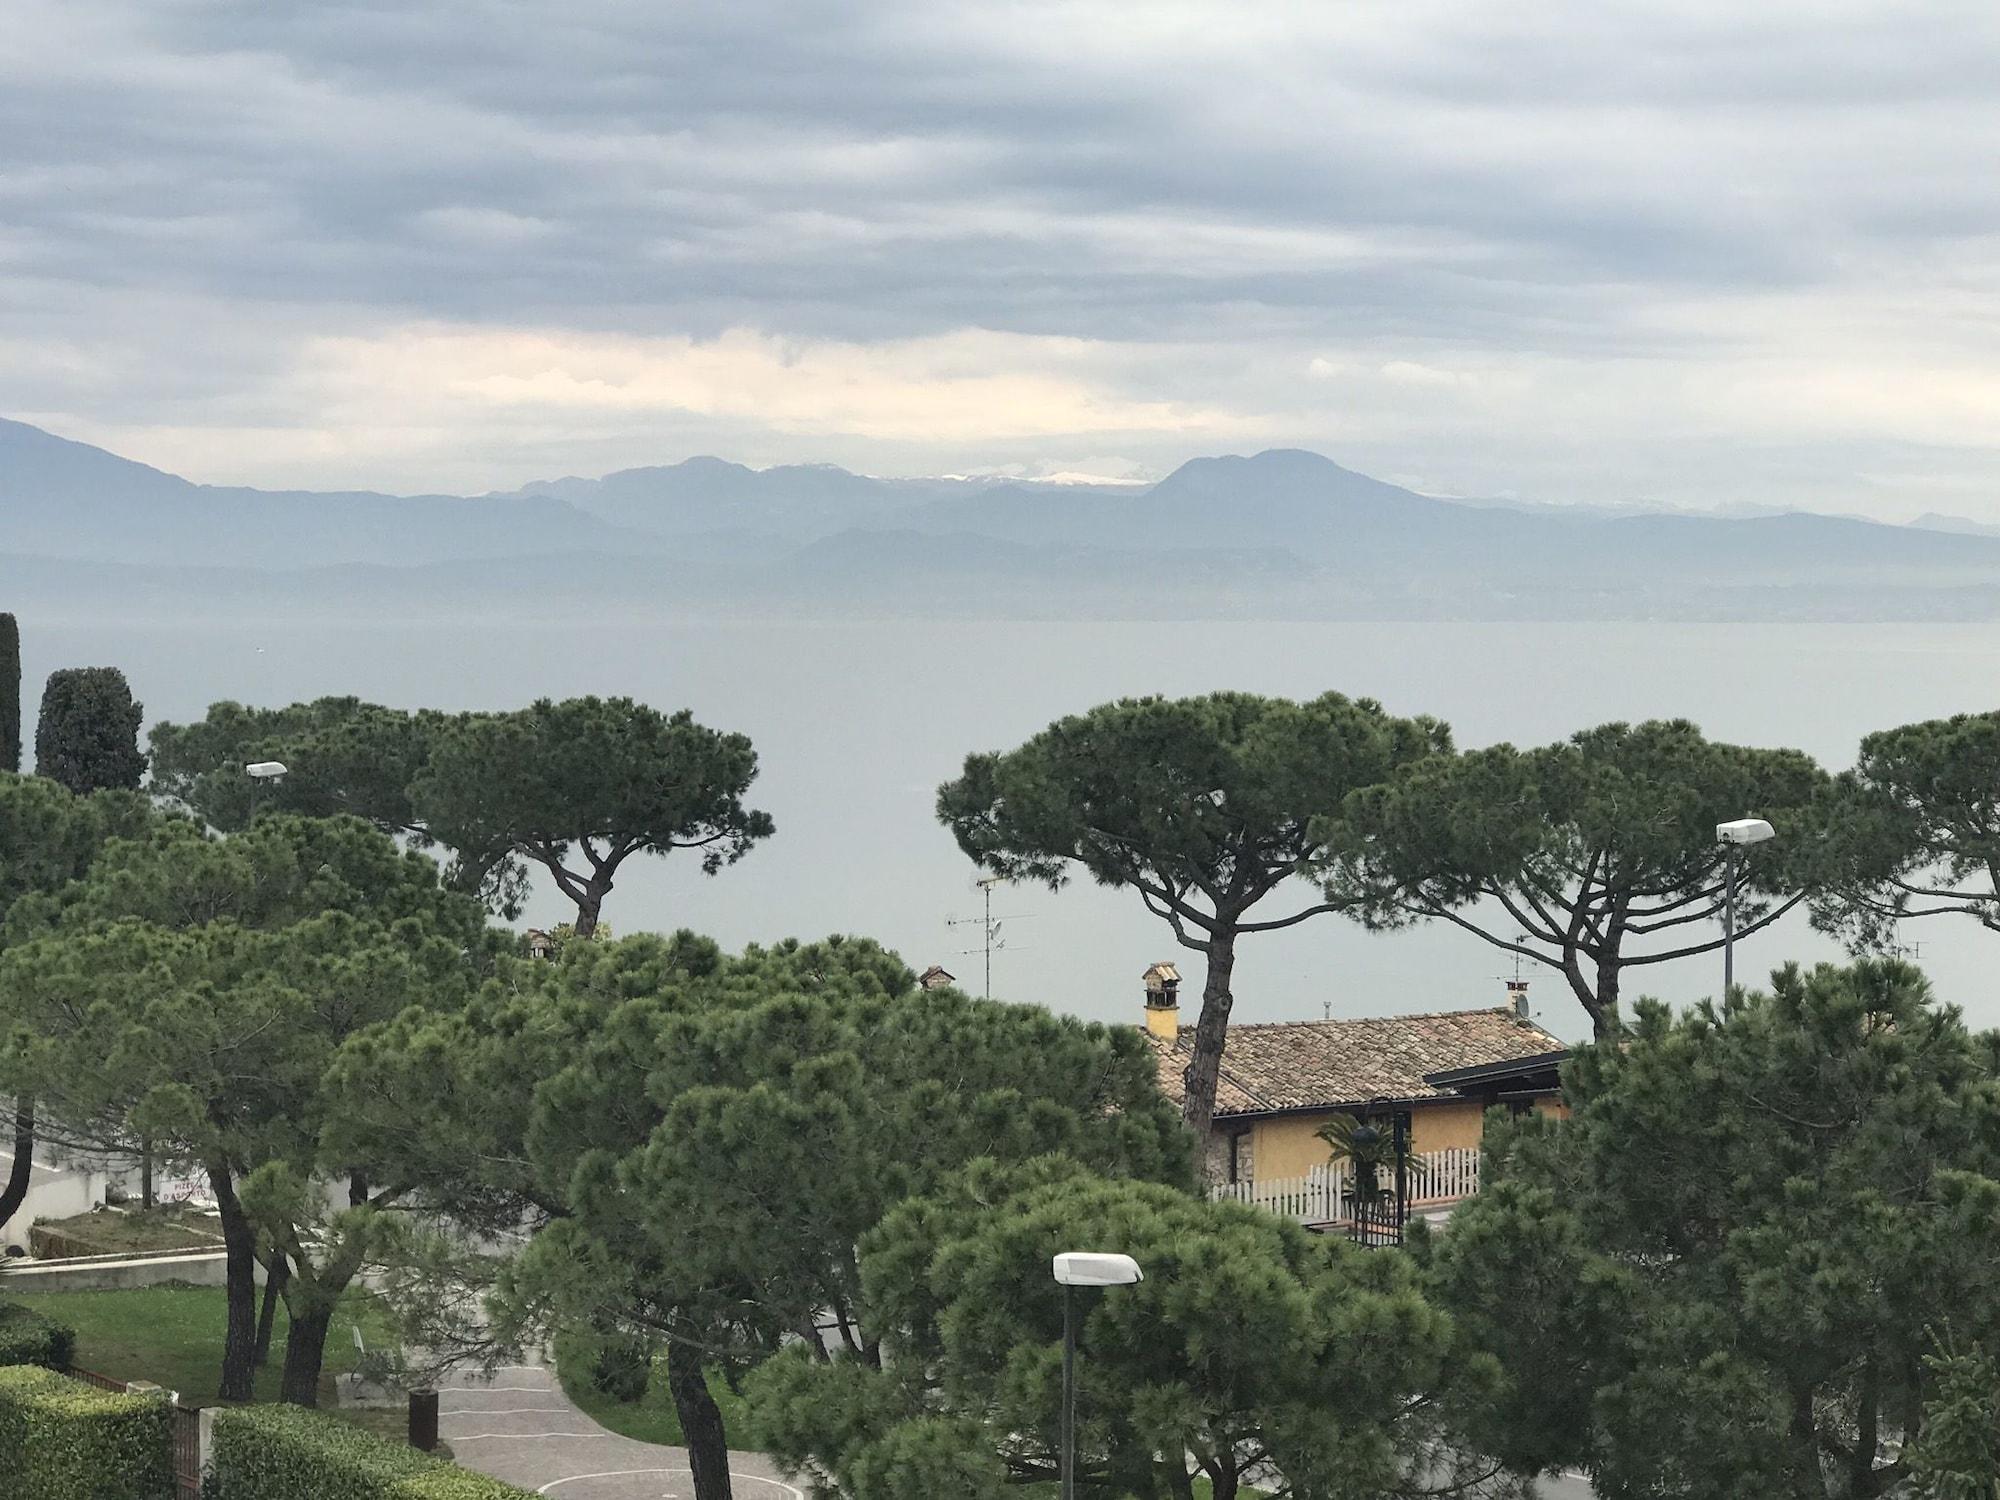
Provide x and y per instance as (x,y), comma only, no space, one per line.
(857,722)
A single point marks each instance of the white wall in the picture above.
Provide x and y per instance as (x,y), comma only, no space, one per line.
(53,1193)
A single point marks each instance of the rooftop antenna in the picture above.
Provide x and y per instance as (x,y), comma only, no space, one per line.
(1517,987)
(989,926)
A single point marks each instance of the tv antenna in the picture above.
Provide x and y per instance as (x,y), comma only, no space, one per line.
(990,927)
(1515,977)
(1516,985)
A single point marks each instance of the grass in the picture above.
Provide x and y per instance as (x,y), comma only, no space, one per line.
(172,1336)
(165,1228)
(650,1419)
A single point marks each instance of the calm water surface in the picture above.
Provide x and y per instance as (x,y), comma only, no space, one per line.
(857,722)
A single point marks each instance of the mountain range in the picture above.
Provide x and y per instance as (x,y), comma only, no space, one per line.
(1280,534)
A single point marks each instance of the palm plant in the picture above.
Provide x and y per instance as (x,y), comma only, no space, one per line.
(1369,1150)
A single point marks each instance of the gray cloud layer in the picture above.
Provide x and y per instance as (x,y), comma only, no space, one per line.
(1692,251)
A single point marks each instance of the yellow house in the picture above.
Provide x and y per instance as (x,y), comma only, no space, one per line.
(1280,1083)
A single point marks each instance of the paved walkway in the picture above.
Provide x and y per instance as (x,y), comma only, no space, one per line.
(520,1427)
(517,1425)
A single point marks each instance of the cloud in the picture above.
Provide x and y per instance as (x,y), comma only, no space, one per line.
(1566,250)
(965,387)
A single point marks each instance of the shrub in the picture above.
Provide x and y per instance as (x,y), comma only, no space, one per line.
(289,1453)
(623,1368)
(28,1338)
(88,736)
(63,1440)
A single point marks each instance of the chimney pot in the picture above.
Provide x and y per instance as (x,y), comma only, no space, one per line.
(1163,1001)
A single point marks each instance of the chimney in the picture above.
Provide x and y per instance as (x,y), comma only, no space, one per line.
(1163,1001)
(1517,996)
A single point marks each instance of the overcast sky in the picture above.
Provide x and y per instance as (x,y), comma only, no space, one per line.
(1574,251)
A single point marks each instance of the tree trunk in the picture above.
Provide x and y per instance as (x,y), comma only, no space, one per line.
(1604,1015)
(276,1276)
(1597,994)
(809,1331)
(588,904)
(305,1348)
(146,1175)
(1210,1033)
(701,1422)
(15,1193)
(239,1243)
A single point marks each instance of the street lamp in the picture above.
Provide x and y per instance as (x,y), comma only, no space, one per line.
(1075,1268)
(1734,836)
(262,771)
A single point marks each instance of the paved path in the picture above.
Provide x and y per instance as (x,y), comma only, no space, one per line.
(518,1426)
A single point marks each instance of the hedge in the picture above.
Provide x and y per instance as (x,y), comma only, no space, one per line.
(28,1338)
(63,1440)
(289,1453)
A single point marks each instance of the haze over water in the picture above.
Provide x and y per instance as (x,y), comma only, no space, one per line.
(857,722)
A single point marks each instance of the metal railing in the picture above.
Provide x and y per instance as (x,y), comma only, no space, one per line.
(187,1452)
(91,1377)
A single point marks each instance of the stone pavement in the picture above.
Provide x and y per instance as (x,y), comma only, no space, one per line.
(517,1425)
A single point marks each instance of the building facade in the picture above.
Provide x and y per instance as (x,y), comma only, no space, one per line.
(1281,1083)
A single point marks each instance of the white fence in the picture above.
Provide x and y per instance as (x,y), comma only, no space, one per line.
(1325,1194)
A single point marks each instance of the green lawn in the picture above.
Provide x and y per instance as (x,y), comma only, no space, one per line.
(172,1336)
(650,1419)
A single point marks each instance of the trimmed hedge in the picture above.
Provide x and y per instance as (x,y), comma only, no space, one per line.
(289,1453)
(28,1338)
(63,1440)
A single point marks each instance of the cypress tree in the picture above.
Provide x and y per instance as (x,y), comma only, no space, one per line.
(10,694)
(88,737)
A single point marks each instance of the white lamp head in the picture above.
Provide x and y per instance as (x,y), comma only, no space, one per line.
(1083,1268)
(1744,831)
(266,770)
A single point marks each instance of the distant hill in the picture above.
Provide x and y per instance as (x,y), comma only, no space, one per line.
(65,499)
(1956,525)
(712,494)
(1279,534)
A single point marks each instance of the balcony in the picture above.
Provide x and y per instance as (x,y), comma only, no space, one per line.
(1326,1199)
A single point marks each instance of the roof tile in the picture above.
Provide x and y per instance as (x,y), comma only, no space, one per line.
(1323,1064)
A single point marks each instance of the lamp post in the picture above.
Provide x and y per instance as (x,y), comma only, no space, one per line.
(1075,1268)
(1734,836)
(262,771)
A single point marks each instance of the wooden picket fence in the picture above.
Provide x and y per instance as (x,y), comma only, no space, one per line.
(1325,1194)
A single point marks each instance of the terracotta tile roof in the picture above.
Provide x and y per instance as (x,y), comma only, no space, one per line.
(1308,1064)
